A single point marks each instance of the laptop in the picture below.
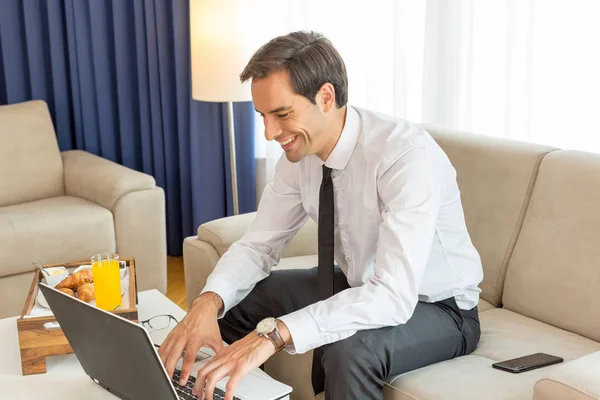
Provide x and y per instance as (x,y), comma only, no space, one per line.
(119,355)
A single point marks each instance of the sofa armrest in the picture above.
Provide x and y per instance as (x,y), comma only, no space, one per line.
(575,380)
(199,260)
(99,180)
(222,233)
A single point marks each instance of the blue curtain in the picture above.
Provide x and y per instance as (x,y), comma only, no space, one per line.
(116,76)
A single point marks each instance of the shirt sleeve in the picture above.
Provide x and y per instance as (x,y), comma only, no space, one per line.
(279,216)
(411,197)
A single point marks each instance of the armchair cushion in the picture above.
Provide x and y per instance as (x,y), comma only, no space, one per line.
(99,180)
(30,164)
(46,230)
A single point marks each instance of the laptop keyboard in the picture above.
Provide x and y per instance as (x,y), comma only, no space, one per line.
(185,392)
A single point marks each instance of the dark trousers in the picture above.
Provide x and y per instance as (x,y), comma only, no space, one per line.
(357,367)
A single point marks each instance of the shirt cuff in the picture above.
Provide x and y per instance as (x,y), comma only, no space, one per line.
(223,289)
(303,330)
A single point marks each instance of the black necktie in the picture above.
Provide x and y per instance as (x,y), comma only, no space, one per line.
(326,227)
(325,270)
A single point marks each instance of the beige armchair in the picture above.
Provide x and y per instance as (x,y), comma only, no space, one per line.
(57,207)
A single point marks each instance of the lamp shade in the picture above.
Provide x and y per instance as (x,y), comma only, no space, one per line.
(222,42)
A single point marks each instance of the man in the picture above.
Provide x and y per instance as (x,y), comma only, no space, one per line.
(404,293)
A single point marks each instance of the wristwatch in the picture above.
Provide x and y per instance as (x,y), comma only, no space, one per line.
(268,328)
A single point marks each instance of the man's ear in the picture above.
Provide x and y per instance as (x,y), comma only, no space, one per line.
(326,96)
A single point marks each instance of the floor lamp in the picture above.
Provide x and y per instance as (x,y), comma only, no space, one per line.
(220,49)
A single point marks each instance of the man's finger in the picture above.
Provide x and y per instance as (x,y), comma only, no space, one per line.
(213,377)
(173,357)
(188,362)
(203,372)
(201,378)
(232,384)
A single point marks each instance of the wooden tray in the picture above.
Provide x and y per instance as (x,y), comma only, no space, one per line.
(36,342)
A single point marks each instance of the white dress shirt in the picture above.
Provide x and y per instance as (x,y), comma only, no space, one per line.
(400,232)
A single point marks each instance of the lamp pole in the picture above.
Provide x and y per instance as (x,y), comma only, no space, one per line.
(223,37)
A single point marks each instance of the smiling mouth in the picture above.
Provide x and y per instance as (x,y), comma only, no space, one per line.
(287,142)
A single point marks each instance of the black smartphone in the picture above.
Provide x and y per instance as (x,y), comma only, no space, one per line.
(527,363)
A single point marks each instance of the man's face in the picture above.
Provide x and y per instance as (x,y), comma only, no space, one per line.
(290,119)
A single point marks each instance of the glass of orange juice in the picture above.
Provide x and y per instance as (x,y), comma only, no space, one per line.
(107,281)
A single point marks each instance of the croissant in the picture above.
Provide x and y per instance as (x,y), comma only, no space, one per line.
(76,280)
(67,291)
(86,292)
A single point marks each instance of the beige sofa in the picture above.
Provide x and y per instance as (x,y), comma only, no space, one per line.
(533,213)
(57,207)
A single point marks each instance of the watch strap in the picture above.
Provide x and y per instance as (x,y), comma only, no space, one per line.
(277,340)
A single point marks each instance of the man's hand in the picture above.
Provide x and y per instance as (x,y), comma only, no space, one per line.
(199,328)
(236,361)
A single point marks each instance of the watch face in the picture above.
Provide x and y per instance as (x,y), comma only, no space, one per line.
(266,326)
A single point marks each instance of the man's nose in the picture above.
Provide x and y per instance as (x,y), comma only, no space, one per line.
(272,129)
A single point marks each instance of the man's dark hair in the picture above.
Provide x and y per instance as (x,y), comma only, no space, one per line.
(308,57)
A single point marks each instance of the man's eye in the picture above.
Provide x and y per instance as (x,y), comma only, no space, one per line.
(283,115)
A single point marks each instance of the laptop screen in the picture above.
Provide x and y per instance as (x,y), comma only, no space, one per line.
(115,352)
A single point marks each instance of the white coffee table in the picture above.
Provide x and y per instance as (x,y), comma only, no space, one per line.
(64,378)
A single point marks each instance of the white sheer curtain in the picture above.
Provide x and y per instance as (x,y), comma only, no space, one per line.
(520,69)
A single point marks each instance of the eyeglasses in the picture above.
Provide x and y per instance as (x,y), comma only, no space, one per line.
(159,322)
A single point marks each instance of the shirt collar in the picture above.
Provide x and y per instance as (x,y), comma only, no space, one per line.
(339,157)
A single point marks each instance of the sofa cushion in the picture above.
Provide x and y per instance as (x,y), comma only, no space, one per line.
(467,378)
(484,305)
(54,230)
(30,163)
(495,177)
(554,273)
(505,335)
